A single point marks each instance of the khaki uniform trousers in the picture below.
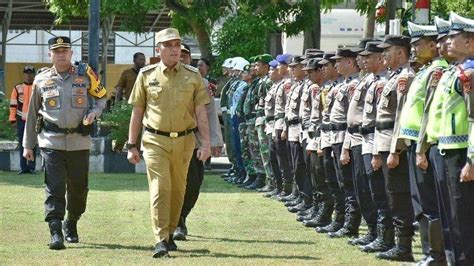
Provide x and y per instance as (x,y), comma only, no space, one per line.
(167,161)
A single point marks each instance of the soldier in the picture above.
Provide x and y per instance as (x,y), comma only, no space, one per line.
(455,135)
(346,65)
(281,146)
(262,68)
(390,155)
(353,135)
(60,119)
(167,99)
(276,180)
(19,103)
(327,100)
(422,182)
(127,78)
(293,122)
(377,78)
(320,215)
(427,150)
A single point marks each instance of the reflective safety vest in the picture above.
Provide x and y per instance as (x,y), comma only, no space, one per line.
(453,126)
(435,109)
(412,112)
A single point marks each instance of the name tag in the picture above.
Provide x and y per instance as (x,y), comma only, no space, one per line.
(51,93)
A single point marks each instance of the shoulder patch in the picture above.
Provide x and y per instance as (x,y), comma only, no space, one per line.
(402,83)
(191,68)
(149,67)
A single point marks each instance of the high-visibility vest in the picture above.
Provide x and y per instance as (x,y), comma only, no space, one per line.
(412,112)
(454,127)
(434,113)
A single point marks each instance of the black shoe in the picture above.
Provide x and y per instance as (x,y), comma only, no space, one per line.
(366,239)
(179,234)
(70,231)
(334,226)
(161,249)
(57,238)
(266,188)
(24,172)
(272,193)
(401,252)
(343,232)
(383,242)
(304,218)
(307,211)
(300,207)
(258,183)
(171,244)
(292,203)
(288,197)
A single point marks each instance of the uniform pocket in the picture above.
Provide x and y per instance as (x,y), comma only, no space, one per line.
(52,103)
(79,98)
(154,92)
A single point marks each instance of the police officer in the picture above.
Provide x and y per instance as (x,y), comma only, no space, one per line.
(19,103)
(175,97)
(346,66)
(422,182)
(455,135)
(428,153)
(327,100)
(390,155)
(60,119)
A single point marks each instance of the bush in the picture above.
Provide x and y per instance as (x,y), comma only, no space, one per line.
(118,120)
(6,130)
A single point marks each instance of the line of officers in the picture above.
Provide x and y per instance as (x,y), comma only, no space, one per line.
(382,131)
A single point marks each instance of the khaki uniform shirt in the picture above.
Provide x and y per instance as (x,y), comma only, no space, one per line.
(328,94)
(315,118)
(292,110)
(281,94)
(169,96)
(390,100)
(356,110)
(339,109)
(126,81)
(62,100)
(270,107)
(305,109)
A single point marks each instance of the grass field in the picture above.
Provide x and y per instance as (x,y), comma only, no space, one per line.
(228,226)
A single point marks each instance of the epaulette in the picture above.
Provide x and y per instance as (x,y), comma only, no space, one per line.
(149,67)
(191,68)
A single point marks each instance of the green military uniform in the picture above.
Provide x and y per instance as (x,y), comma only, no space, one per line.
(262,90)
(226,117)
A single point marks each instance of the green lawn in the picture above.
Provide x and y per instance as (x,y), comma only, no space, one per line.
(228,226)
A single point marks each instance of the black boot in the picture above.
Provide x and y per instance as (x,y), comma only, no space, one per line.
(311,210)
(323,217)
(401,252)
(350,228)
(294,202)
(248,181)
(171,244)
(383,242)
(257,183)
(57,238)
(334,226)
(276,191)
(70,231)
(161,249)
(181,231)
(304,205)
(308,217)
(366,239)
(435,234)
(286,191)
(269,186)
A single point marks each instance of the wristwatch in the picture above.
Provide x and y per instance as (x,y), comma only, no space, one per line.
(129,145)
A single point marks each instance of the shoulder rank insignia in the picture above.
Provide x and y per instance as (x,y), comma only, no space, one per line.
(191,68)
(149,67)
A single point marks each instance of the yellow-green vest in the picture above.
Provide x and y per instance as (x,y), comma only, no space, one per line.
(434,113)
(454,126)
(412,112)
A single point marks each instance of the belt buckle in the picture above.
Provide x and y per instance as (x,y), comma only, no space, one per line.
(68,131)
(173,134)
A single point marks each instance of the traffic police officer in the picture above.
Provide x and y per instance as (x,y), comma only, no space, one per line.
(167,99)
(60,119)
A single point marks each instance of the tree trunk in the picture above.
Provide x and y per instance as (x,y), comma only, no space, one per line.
(369,25)
(203,39)
(312,35)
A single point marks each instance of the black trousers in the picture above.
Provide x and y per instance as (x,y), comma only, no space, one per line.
(274,165)
(24,164)
(193,185)
(452,237)
(299,169)
(318,178)
(283,157)
(331,180)
(397,181)
(66,175)
(362,188)
(462,201)
(378,192)
(345,179)
(423,188)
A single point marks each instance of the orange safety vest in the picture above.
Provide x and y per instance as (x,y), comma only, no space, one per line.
(20,101)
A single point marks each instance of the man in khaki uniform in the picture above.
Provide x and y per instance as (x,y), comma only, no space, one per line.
(128,77)
(167,99)
(59,119)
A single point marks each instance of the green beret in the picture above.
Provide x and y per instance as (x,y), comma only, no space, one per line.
(265,58)
(253,59)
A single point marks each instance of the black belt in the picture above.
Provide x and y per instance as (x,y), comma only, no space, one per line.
(353,129)
(367,130)
(325,127)
(293,121)
(171,134)
(51,127)
(248,117)
(338,126)
(280,116)
(384,125)
(269,118)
